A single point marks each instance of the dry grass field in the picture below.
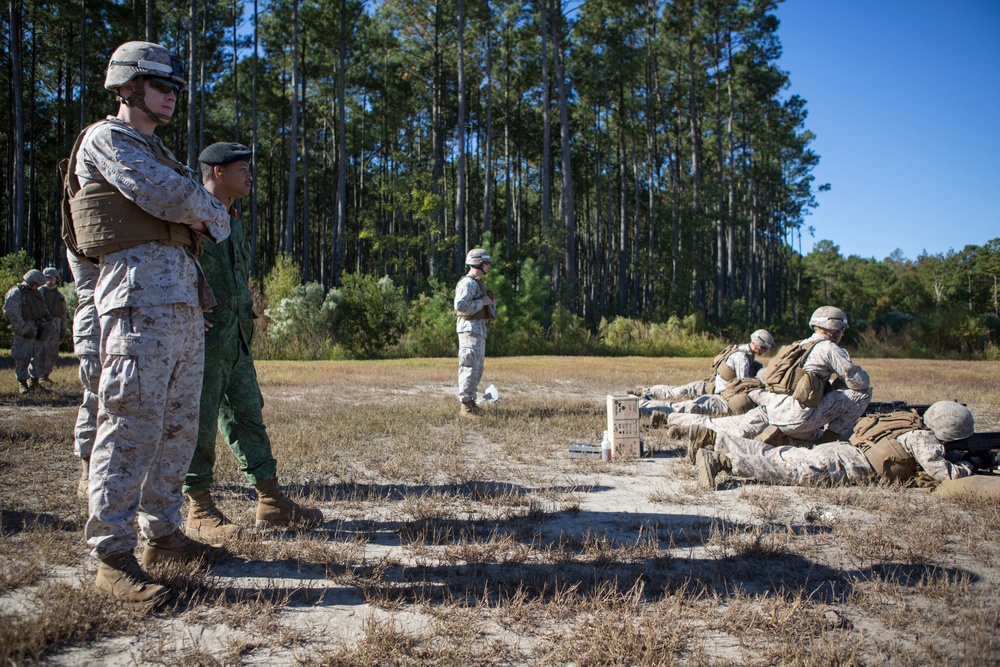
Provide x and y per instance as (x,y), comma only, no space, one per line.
(460,543)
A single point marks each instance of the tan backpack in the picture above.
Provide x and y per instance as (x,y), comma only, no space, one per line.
(785,375)
(876,437)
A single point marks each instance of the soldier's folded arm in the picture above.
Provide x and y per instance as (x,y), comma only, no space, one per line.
(157,188)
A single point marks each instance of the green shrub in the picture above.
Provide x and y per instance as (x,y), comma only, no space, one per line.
(430,329)
(301,325)
(370,314)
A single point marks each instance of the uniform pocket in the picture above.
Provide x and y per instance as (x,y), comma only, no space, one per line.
(126,352)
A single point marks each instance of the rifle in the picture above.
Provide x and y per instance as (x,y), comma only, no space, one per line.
(982,450)
(885,407)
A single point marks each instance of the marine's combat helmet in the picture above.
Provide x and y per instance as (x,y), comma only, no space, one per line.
(34,277)
(477,257)
(763,338)
(949,421)
(51,272)
(829,318)
(133,59)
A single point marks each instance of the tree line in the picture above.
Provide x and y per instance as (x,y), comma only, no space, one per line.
(646,154)
(645,159)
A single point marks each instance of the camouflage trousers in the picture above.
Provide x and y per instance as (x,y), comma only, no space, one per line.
(147,423)
(86,417)
(471,359)
(826,464)
(232,403)
(709,404)
(26,353)
(837,410)
(49,349)
(684,392)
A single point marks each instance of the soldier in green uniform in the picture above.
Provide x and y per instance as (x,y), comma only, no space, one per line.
(230,396)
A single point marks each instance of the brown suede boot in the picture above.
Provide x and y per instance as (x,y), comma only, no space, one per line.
(470,409)
(276,510)
(205,521)
(46,382)
(178,547)
(37,387)
(24,387)
(121,577)
(699,437)
(84,484)
(709,465)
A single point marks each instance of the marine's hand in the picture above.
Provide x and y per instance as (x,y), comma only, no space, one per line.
(208,325)
(487,301)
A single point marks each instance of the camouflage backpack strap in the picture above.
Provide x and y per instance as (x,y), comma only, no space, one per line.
(720,367)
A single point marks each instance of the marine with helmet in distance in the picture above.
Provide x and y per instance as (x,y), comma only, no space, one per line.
(141,215)
(56,304)
(475,307)
(897,447)
(719,394)
(804,405)
(29,320)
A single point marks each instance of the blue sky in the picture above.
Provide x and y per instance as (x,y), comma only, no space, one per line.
(904,97)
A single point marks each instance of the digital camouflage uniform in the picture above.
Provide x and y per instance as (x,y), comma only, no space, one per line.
(230,396)
(26,312)
(472,335)
(830,463)
(87,347)
(152,344)
(837,410)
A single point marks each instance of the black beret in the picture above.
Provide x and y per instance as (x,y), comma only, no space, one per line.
(225,152)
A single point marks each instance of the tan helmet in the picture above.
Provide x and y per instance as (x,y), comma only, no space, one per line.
(829,318)
(34,277)
(949,421)
(763,338)
(133,59)
(477,257)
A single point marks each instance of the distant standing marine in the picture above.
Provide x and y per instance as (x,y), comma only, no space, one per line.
(475,307)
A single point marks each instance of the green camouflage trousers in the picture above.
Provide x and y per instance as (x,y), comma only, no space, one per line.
(231,401)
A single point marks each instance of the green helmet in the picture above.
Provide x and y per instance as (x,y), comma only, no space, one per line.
(133,59)
(34,277)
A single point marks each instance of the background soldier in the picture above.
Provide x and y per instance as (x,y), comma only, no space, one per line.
(29,320)
(56,303)
(734,363)
(230,396)
(474,308)
(142,212)
(87,347)
(895,447)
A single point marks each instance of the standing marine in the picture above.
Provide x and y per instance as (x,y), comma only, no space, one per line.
(30,322)
(230,396)
(56,303)
(143,215)
(475,307)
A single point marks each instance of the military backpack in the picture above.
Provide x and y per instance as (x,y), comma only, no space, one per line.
(876,437)
(786,375)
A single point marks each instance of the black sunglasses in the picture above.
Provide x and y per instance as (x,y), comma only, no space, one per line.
(165,86)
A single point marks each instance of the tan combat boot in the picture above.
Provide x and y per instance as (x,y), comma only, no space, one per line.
(470,409)
(121,577)
(699,437)
(36,385)
(276,510)
(46,382)
(709,465)
(179,548)
(25,388)
(83,485)
(205,521)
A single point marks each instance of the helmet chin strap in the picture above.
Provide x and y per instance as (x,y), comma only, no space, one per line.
(138,101)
